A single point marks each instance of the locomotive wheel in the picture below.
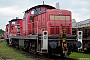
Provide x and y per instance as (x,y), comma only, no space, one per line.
(29,47)
(26,46)
(85,51)
(7,41)
(48,55)
(50,52)
(17,46)
(62,55)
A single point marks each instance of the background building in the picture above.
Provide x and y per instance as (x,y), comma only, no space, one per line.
(85,23)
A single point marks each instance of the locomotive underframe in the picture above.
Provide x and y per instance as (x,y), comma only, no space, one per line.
(34,43)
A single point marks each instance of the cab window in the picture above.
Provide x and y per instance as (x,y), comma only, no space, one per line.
(25,15)
(47,9)
(31,19)
(36,11)
(14,22)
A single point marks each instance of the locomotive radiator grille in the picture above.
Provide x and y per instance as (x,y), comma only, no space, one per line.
(54,29)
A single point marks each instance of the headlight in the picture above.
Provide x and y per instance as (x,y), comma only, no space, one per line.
(45,33)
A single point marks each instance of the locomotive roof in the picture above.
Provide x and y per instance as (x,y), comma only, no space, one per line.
(64,10)
(7,24)
(15,19)
(40,6)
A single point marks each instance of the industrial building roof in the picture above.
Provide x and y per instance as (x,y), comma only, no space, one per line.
(75,24)
(83,22)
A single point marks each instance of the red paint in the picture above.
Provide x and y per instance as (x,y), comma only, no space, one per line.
(41,22)
(14,28)
(7,31)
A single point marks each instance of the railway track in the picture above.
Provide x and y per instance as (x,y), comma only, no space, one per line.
(2,40)
(43,57)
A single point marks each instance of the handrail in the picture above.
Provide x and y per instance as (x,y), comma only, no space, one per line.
(56,23)
(34,28)
(47,25)
(57,26)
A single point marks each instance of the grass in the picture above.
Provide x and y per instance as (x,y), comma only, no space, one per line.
(80,56)
(2,40)
(11,53)
(7,52)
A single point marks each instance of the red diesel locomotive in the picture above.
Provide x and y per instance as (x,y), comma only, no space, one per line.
(43,29)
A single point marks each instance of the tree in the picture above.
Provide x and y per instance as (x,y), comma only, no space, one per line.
(2,31)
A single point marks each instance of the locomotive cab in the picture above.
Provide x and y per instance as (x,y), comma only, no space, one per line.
(16,27)
(32,20)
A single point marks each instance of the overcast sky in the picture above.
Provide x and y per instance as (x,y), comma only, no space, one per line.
(14,8)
